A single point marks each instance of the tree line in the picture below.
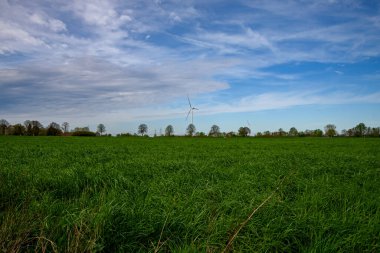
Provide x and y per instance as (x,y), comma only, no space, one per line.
(360,130)
(35,128)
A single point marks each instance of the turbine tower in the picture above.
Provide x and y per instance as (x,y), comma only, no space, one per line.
(191,110)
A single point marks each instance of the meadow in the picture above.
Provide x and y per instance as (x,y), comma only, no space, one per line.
(79,194)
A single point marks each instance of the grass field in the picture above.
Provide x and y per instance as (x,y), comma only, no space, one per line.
(72,194)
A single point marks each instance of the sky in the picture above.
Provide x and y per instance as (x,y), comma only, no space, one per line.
(262,64)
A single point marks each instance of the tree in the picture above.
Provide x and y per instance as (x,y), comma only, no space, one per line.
(281,132)
(231,134)
(330,130)
(318,133)
(65,127)
(293,132)
(33,127)
(142,129)
(375,131)
(28,127)
(27,123)
(36,127)
(18,129)
(101,129)
(214,131)
(360,129)
(190,129)
(54,129)
(267,133)
(200,134)
(169,130)
(244,131)
(3,126)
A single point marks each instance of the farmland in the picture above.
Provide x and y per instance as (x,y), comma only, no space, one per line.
(73,194)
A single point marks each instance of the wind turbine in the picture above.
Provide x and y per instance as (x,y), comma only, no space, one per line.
(191,110)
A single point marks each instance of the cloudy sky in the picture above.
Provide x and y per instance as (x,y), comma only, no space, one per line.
(265,64)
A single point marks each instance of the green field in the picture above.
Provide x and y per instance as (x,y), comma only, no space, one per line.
(72,194)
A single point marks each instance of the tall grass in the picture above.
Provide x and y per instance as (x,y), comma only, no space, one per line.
(188,194)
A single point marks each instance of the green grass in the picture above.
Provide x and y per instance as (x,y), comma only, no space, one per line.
(73,194)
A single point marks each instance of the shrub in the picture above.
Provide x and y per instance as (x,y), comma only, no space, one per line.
(83,133)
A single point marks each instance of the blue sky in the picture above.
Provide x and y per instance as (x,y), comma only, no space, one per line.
(265,64)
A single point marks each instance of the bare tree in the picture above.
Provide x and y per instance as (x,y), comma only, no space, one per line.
(214,131)
(169,130)
(34,127)
(101,129)
(190,129)
(142,129)
(54,129)
(3,126)
(65,127)
(18,129)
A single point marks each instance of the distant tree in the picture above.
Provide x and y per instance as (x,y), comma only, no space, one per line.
(65,127)
(368,131)
(259,134)
(142,129)
(3,126)
(375,132)
(247,130)
(18,129)
(281,132)
(244,131)
(214,131)
(293,132)
(344,132)
(267,133)
(200,134)
(55,125)
(27,123)
(231,134)
(101,129)
(53,129)
(28,127)
(318,133)
(36,127)
(169,130)
(360,129)
(330,130)
(309,133)
(190,129)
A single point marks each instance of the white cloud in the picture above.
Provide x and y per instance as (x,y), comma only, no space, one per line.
(14,38)
(121,55)
(51,23)
(282,100)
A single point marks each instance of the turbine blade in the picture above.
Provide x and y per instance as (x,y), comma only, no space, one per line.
(194,108)
(189,100)
(188,114)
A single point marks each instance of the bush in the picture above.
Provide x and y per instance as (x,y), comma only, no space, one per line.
(83,133)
